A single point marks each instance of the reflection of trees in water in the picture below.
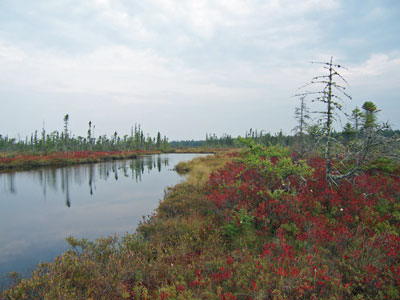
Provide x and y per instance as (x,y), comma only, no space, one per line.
(114,169)
(66,177)
(9,182)
(43,181)
(124,169)
(91,178)
(137,169)
(65,185)
(53,178)
(159,164)
(149,163)
(78,178)
(59,179)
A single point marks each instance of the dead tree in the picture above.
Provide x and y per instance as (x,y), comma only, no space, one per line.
(302,115)
(327,94)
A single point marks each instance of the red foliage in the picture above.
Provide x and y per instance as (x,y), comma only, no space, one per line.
(62,158)
(320,225)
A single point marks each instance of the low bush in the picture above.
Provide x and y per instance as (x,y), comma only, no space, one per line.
(265,226)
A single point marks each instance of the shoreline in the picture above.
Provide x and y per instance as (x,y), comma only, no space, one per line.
(10,162)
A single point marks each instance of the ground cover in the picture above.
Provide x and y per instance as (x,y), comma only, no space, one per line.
(265,226)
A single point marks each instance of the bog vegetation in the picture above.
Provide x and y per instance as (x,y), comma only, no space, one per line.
(265,226)
(317,220)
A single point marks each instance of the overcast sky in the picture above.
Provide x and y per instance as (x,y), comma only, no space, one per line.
(188,67)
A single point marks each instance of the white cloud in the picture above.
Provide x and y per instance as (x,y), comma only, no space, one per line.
(378,71)
(124,74)
(10,53)
(181,54)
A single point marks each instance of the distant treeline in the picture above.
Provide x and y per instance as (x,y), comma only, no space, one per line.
(65,141)
(137,140)
(227,141)
(311,135)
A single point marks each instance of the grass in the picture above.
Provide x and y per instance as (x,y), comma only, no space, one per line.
(200,168)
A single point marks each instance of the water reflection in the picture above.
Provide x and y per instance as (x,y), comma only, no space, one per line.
(40,208)
(9,183)
(59,179)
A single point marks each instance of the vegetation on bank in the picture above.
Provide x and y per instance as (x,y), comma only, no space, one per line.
(267,225)
(199,169)
(22,161)
(12,161)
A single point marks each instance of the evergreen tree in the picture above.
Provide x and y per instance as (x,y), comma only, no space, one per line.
(158,142)
(356,116)
(369,116)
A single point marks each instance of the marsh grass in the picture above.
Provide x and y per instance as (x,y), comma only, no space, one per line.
(199,169)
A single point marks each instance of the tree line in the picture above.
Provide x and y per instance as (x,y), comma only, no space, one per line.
(362,138)
(65,141)
(308,135)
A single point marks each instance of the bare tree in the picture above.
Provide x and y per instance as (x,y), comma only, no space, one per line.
(66,119)
(330,94)
(302,115)
(66,135)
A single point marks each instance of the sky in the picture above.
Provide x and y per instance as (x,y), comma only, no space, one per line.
(189,67)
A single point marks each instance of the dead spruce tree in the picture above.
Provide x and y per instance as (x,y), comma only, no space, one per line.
(302,115)
(331,94)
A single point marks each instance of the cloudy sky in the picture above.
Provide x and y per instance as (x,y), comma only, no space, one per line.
(188,67)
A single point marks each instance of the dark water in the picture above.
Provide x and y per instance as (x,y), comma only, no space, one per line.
(40,208)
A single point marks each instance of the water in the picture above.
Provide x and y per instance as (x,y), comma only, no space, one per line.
(40,208)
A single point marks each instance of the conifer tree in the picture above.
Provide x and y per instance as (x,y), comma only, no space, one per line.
(369,116)
(356,116)
(158,142)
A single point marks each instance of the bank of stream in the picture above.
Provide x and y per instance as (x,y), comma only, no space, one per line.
(41,207)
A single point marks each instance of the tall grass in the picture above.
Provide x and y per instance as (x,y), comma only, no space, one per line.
(199,169)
